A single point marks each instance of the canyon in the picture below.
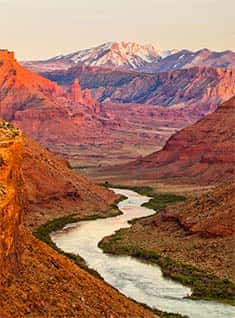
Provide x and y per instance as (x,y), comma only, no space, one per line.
(131,113)
(201,154)
(35,279)
(106,121)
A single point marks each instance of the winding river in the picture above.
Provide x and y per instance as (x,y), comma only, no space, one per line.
(136,279)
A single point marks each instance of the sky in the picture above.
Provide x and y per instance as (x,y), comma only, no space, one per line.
(46,28)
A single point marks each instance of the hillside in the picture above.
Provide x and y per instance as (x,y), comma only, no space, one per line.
(200,154)
(198,232)
(34,279)
(52,188)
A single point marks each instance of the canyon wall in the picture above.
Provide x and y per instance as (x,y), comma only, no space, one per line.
(11,194)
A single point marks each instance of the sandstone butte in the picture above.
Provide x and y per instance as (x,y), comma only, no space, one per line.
(201,154)
(43,109)
(34,279)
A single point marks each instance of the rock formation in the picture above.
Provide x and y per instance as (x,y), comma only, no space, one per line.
(52,187)
(202,153)
(11,197)
(196,91)
(34,279)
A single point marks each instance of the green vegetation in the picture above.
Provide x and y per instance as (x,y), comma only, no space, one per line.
(204,286)
(158,201)
(43,232)
(163,314)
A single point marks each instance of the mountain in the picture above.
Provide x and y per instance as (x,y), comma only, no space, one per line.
(187,59)
(201,88)
(112,54)
(33,275)
(200,154)
(64,118)
(22,90)
(133,56)
(42,109)
(71,122)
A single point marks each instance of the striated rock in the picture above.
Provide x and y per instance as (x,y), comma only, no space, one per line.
(196,91)
(11,197)
(36,280)
(53,188)
(210,215)
(200,154)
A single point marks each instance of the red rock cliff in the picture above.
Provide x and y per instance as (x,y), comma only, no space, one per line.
(10,201)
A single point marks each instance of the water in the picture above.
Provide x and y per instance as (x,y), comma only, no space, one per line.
(136,279)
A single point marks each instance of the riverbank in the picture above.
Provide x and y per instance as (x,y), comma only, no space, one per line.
(144,237)
(43,233)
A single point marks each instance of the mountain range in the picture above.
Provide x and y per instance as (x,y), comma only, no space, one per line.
(118,105)
(134,56)
(111,111)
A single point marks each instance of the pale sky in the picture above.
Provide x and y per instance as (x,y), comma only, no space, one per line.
(38,29)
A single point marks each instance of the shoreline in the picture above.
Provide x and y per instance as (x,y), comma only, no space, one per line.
(204,286)
(43,232)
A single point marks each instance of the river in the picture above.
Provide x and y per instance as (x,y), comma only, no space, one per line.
(138,280)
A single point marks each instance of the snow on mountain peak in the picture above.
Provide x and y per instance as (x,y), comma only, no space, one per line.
(128,55)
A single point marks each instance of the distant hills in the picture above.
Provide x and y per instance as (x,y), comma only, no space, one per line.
(199,154)
(134,56)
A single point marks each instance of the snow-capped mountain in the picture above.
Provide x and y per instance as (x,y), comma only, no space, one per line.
(185,59)
(123,55)
(133,56)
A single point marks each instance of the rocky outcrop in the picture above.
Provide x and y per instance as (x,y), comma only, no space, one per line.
(200,154)
(34,279)
(52,188)
(210,215)
(11,197)
(198,89)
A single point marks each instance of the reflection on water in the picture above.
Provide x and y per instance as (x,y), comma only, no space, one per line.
(136,279)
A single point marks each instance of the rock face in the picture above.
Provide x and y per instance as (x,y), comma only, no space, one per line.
(72,122)
(32,275)
(10,202)
(42,109)
(210,215)
(197,89)
(202,153)
(52,187)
